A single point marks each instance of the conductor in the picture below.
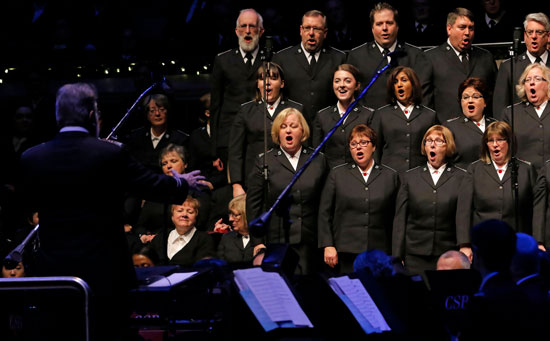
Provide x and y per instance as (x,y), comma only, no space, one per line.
(77,183)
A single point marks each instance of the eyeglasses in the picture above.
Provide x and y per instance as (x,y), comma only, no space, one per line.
(362,143)
(234,215)
(314,28)
(245,26)
(438,142)
(536,79)
(537,32)
(160,110)
(499,142)
(474,96)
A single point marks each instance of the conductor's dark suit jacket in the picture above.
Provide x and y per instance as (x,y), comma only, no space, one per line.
(313,90)
(77,184)
(231,248)
(305,194)
(368,59)
(484,196)
(355,216)
(246,140)
(199,247)
(425,218)
(336,148)
(399,138)
(447,72)
(501,97)
(140,145)
(532,133)
(467,139)
(232,83)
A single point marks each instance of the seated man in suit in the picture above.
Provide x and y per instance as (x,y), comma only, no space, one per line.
(454,61)
(453,260)
(237,246)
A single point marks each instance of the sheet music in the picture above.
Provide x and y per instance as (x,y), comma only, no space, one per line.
(173,279)
(273,295)
(362,302)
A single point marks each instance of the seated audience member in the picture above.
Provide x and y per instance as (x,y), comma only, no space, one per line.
(144,258)
(453,260)
(376,261)
(153,216)
(237,246)
(17,272)
(184,245)
(146,143)
(499,309)
(525,271)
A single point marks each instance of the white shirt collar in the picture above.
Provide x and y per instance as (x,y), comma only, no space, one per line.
(541,108)
(293,159)
(155,139)
(274,106)
(433,170)
(254,53)
(500,174)
(543,57)
(392,47)
(496,20)
(177,241)
(366,174)
(409,109)
(308,54)
(73,128)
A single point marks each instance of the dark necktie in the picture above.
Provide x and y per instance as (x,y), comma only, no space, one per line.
(419,28)
(492,24)
(312,63)
(385,54)
(538,60)
(464,57)
(248,57)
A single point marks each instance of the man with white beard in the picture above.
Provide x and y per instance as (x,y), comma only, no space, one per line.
(233,78)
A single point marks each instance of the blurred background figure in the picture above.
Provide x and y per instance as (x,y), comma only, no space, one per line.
(453,260)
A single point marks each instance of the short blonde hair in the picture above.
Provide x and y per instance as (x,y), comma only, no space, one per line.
(192,201)
(238,204)
(276,128)
(520,87)
(447,136)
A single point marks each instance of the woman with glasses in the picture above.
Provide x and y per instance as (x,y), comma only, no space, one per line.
(345,84)
(468,128)
(487,191)
(425,221)
(532,115)
(237,245)
(357,204)
(401,124)
(246,140)
(146,143)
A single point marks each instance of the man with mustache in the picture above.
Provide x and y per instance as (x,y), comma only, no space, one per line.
(371,57)
(454,61)
(536,27)
(233,78)
(309,66)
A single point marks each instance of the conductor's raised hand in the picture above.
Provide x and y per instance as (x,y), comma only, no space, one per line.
(194,179)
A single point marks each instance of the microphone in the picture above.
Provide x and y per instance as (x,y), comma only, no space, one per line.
(16,255)
(268,48)
(518,31)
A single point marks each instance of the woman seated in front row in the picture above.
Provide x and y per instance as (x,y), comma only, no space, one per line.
(184,245)
(237,246)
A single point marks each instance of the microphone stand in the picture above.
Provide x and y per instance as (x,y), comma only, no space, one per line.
(266,76)
(513,162)
(259,224)
(16,255)
(125,117)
